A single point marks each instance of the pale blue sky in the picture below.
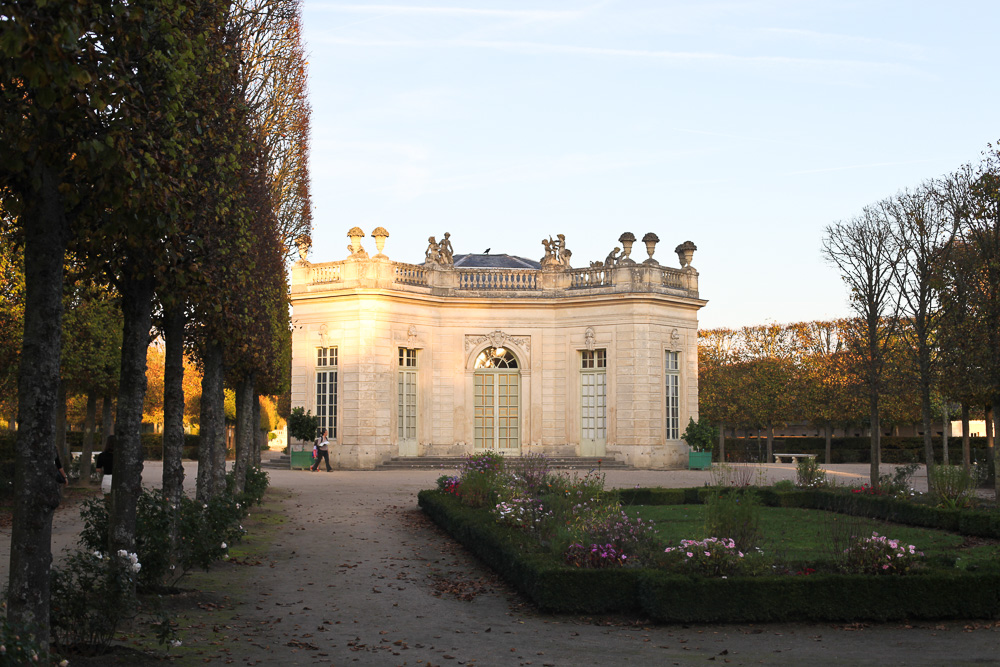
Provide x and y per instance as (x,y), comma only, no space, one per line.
(746,127)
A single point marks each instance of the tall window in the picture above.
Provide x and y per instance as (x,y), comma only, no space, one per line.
(672,371)
(407,394)
(594,395)
(326,389)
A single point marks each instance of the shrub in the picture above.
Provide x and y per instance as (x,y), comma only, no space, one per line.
(952,486)
(302,425)
(808,474)
(595,556)
(784,485)
(524,513)
(878,555)
(738,475)
(482,480)
(734,514)
(16,646)
(898,484)
(204,530)
(714,557)
(92,595)
(530,473)
(633,535)
(700,436)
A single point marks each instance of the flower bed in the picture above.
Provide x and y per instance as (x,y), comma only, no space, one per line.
(570,546)
(556,586)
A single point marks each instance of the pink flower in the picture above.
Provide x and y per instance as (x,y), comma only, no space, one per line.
(690,555)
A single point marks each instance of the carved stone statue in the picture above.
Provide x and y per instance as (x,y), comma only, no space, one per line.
(612,258)
(446,256)
(433,250)
(557,256)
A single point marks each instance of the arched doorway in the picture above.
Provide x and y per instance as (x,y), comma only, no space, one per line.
(497,396)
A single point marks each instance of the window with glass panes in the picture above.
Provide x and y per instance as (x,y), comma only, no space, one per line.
(326,389)
(672,371)
(594,395)
(407,394)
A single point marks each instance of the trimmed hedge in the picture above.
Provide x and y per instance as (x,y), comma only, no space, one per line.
(152,445)
(894,448)
(665,597)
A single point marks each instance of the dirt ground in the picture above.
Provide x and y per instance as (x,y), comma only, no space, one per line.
(342,569)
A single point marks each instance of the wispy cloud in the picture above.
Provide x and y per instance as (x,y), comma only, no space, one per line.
(663,56)
(483,12)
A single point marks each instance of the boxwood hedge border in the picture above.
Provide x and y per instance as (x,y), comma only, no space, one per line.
(671,598)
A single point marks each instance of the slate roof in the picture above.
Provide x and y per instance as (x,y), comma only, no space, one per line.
(500,261)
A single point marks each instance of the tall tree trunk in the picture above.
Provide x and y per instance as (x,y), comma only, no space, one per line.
(61,447)
(258,439)
(722,443)
(966,446)
(36,491)
(925,422)
(996,459)
(945,432)
(876,439)
(126,483)
(173,404)
(212,420)
(770,442)
(87,455)
(244,430)
(107,421)
(829,443)
(990,434)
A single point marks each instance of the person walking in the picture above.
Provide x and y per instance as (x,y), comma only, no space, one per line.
(105,463)
(322,452)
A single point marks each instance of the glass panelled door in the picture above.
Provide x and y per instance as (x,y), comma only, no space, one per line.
(593,403)
(406,415)
(497,392)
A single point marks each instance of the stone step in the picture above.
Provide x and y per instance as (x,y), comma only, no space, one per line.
(448,463)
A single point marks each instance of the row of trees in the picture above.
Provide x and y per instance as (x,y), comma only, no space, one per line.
(774,375)
(923,273)
(158,151)
(924,265)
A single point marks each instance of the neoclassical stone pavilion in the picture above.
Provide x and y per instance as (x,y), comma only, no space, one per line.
(466,353)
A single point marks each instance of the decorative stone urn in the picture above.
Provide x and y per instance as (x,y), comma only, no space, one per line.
(356,234)
(380,235)
(685,252)
(650,240)
(626,239)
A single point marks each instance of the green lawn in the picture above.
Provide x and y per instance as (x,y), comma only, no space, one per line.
(802,535)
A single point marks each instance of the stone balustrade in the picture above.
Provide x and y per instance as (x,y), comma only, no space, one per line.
(595,276)
(325,273)
(380,272)
(410,274)
(497,279)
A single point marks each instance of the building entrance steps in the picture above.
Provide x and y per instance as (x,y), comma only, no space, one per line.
(452,462)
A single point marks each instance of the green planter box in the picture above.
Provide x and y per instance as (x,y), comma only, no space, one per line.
(699,460)
(303,459)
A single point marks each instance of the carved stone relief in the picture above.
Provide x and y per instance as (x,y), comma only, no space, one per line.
(590,338)
(496,339)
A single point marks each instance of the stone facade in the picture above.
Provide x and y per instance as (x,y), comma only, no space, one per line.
(470,352)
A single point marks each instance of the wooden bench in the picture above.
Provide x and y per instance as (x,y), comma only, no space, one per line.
(794,457)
